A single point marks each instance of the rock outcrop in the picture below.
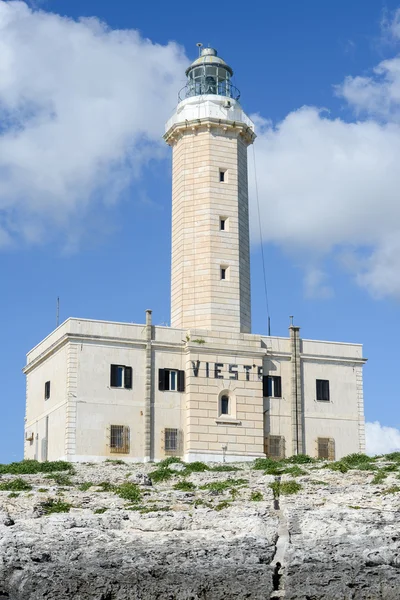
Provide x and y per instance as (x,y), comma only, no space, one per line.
(207,535)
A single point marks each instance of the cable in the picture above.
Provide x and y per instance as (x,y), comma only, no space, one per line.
(261,240)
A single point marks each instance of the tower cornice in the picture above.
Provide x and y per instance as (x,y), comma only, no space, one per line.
(195,126)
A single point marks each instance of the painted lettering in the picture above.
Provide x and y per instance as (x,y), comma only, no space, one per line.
(233,373)
(247,368)
(217,371)
(196,367)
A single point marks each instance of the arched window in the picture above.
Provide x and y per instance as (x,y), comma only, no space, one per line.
(224,405)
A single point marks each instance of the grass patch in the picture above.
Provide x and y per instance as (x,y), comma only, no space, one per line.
(13,495)
(169,461)
(338,466)
(195,467)
(318,482)
(222,505)
(261,464)
(201,502)
(294,471)
(379,478)
(185,486)
(284,488)
(353,461)
(15,485)
(355,507)
(220,486)
(85,486)
(256,497)
(60,479)
(390,468)
(300,459)
(31,467)
(106,486)
(395,456)
(129,491)
(43,490)
(160,475)
(224,469)
(100,511)
(52,506)
(395,489)
(115,461)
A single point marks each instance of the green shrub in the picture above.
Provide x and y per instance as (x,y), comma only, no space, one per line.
(43,490)
(220,486)
(195,467)
(222,505)
(356,459)
(55,506)
(100,511)
(256,497)
(60,479)
(379,478)
(395,456)
(184,486)
(85,486)
(169,461)
(300,459)
(106,486)
(115,461)
(15,485)
(13,495)
(318,482)
(337,466)
(201,502)
(225,468)
(289,487)
(160,475)
(30,467)
(295,471)
(260,464)
(390,468)
(129,491)
(367,467)
(392,490)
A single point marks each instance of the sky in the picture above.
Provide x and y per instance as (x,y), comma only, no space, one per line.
(85,177)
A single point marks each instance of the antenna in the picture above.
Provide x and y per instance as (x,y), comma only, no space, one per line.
(291,320)
(58,312)
(199,45)
(269,326)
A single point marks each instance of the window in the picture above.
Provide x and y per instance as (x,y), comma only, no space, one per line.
(171,380)
(47,390)
(326,448)
(224,408)
(222,175)
(272,386)
(275,446)
(121,377)
(223,273)
(170,440)
(119,439)
(222,223)
(323,390)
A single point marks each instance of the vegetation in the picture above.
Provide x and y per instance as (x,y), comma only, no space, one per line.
(225,468)
(392,490)
(284,488)
(85,486)
(106,486)
(129,491)
(60,479)
(184,486)
(195,467)
(43,490)
(261,464)
(318,482)
(294,471)
(55,506)
(222,505)
(379,478)
(31,467)
(100,511)
(355,507)
(220,486)
(340,466)
(256,497)
(13,495)
(115,461)
(161,474)
(15,485)
(169,461)
(395,456)
(353,461)
(300,459)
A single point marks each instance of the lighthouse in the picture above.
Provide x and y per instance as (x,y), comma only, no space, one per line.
(209,134)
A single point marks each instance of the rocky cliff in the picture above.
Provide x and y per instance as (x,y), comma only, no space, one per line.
(113,531)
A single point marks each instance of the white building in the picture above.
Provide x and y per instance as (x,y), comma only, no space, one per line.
(204,388)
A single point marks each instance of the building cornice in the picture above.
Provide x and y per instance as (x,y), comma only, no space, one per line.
(177,130)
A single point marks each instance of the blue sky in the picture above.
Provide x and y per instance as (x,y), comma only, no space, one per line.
(84,190)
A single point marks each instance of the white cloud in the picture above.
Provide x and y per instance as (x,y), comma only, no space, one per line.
(81,108)
(331,187)
(381,439)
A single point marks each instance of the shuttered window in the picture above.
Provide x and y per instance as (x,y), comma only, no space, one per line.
(119,439)
(171,380)
(272,386)
(322,391)
(274,446)
(121,376)
(326,448)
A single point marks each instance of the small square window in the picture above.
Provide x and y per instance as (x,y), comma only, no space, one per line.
(121,377)
(222,175)
(47,390)
(171,380)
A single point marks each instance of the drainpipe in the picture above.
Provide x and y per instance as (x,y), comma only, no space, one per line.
(148,389)
(297,404)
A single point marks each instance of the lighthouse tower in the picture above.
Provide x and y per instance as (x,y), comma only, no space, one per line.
(209,134)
